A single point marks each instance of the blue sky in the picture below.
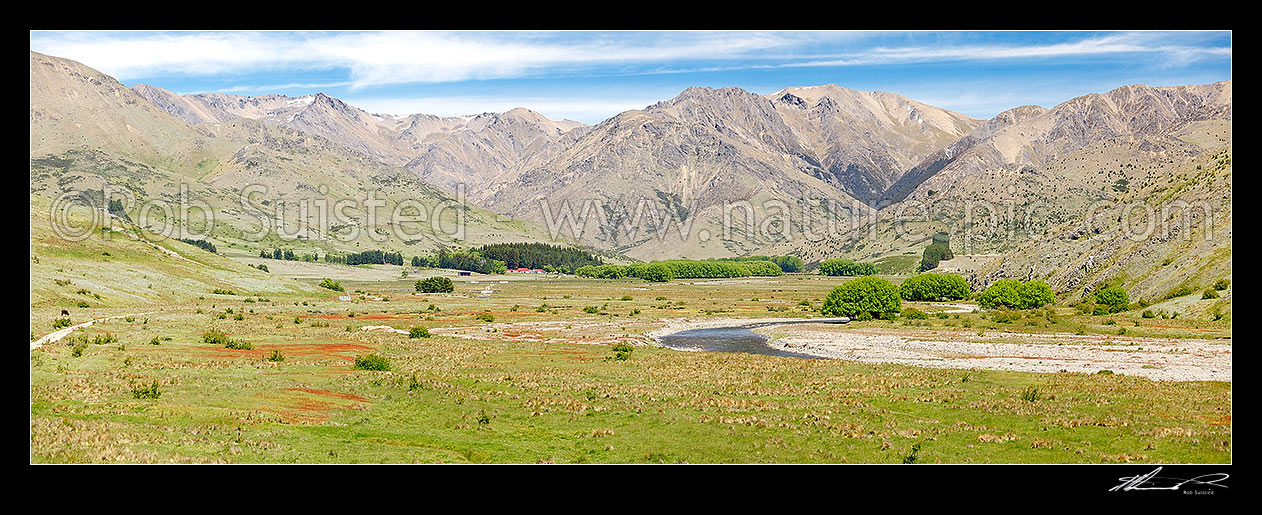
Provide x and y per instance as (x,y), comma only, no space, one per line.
(590,76)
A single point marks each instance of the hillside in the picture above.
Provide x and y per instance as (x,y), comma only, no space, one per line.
(89,132)
(445,151)
(1185,240)
(128,267)
(688,158)
(1030,169)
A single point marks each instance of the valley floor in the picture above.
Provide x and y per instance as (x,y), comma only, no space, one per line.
(525,374)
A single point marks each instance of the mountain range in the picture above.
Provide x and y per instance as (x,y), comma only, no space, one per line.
(660,182)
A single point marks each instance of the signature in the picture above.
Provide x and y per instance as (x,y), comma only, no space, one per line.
(1151,481)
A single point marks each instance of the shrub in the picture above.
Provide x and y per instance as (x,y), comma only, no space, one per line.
(215,336)
(846,267)
(1209,293)
(1222,284)
(59,323)
(871,296)
(276,356)
(435,285)
(146,392)
(1035,294)
(1148,314)
(1012,294)
(485,317)
(1003,293)
(238,345)
(935,287)
(1114,297)
(372,362)
(418,332)
(1030,394)
(331,284)
(622,351)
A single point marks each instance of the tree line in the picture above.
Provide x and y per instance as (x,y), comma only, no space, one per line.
(660,271)
(202,244)
(553,258)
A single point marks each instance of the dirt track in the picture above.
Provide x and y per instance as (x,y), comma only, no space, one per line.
(57,335)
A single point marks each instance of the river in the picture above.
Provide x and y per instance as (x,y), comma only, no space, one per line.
(737,339)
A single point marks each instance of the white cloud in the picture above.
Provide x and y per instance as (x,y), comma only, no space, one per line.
(397,57)
(375,58)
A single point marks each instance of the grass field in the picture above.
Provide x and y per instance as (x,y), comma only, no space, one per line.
(539,383)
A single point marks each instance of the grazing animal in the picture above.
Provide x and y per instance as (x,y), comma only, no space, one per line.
(65,313)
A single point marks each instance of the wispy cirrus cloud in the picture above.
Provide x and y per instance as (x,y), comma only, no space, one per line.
(589,75)
(382,58)
(376,58)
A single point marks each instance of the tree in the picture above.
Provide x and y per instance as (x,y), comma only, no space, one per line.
(1035,294)
(1003,293)
(935,287)
(1114,297)
(331,284)
(1013,294)
(435,285)
(656,272)
(939,250)
(846,267)
(870,296)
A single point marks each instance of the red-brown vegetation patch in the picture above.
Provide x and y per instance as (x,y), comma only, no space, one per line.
(310,405)
(330,393)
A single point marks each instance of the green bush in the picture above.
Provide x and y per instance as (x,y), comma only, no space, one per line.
(215,336)
(1114,297)
(656,272)
(1148,314)
(927,287)
(435,285)
(662,271)
(238,345)
(846,267)
(418,332)
(372,362)
(870,296)
(146,392)
(1013,294)
(331,284)
(1222,284)
(276,356)
(1209,293)
(59,323)
(622,351)
(485,317)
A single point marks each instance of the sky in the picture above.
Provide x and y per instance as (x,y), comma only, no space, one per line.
(589,76)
